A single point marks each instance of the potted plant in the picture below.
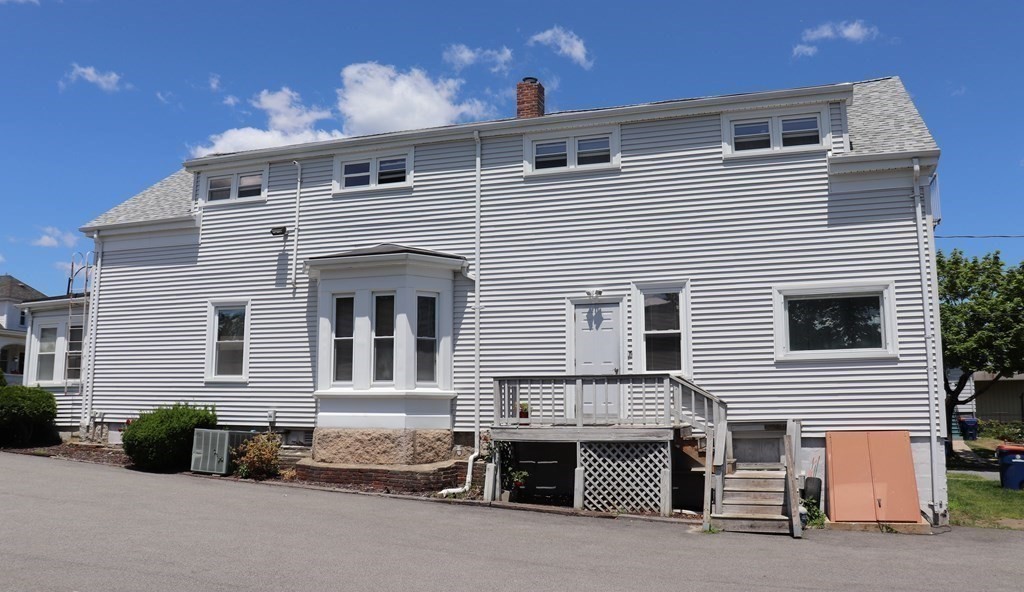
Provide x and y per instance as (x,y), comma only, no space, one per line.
(524,410)
(518,483)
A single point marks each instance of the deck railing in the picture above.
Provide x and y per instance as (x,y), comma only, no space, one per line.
(655,400)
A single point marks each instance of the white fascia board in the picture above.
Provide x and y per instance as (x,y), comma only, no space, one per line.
(552,122)
(318,265)
(50,304)
(862,163)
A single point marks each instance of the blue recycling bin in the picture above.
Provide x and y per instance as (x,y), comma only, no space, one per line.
(1011,466)
(969,428)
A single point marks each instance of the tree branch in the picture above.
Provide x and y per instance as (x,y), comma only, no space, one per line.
(978,392)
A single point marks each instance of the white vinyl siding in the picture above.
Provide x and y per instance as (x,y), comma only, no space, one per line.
(673,209)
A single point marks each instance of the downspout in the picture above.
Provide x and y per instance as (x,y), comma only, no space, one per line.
(295,239)
(476,327)
(929,338)
(92,304)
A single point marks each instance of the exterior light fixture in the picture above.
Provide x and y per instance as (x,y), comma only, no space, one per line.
(278,231)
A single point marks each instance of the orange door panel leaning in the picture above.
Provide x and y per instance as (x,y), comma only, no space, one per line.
(892,472)
(871,477)
(850,492)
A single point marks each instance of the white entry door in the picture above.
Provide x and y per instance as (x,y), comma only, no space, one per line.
(597,352)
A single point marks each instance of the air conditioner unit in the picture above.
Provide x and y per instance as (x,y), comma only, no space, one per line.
(211,450)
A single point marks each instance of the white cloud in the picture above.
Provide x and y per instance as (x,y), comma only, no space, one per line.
(2,258)
(565,43)
(36,2)
(856,31)
(62,266)
(55,237)
(107,81)
(214,82)
(289,121)
(461,56)
(165,97)
(804,51)
(959,91)
(373,98)
(377,98)
(230,100)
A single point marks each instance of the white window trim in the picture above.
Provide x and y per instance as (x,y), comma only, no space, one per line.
(416,337)
(571,137)
(234,173)
(337,183)
(682,286)
(211,338)
(890,338)
(774,118)
(31,375)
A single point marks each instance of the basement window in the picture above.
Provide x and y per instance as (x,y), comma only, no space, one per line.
(375,171)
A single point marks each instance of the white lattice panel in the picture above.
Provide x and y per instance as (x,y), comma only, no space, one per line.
(623,476)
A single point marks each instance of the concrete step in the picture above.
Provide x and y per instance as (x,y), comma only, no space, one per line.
(729,507)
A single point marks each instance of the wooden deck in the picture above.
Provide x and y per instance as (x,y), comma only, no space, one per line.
(574,433)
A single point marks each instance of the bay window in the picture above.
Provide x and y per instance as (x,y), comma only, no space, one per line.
(383,337)
(344,334)
(426,338)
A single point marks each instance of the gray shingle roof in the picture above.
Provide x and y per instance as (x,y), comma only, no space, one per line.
(170,198)
(389,249)
(883,119)
(14,289)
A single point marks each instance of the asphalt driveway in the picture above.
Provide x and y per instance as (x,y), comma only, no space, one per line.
(73,526)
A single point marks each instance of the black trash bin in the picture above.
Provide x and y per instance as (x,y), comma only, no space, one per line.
(1011,466)
(969,428)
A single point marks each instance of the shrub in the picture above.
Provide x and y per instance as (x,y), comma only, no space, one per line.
(161,440)
(26,416)
(256,458)
(3,379)
(1011,431)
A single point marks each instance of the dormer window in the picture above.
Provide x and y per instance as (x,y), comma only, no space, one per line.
(367,172)
(550,155)
(560,153)
(244,185)
(780,131)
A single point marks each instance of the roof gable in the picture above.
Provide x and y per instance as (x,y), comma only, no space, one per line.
(11,288)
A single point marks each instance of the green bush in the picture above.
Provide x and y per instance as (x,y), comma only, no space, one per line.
(161,440)
(26,416)
(1010,431)
(3,379)
(256,458)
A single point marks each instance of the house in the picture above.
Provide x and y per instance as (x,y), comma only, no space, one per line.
(1001,401)
(13,325)
(629,300)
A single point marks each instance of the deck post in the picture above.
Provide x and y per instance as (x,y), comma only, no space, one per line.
(666,492)
(709,463)
(498,419)
(489,483)
(577,490)
(578,396)
(792,495)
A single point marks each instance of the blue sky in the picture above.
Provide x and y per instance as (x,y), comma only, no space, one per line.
(101,99)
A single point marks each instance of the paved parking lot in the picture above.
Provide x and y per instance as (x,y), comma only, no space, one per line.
(73,526)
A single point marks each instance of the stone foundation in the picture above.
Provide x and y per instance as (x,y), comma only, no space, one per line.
(353,446)
(424,478)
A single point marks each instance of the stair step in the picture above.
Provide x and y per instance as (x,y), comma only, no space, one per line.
(760,485)
(750,523)
(745,497)
(757,474)
(751,466)
(751,509)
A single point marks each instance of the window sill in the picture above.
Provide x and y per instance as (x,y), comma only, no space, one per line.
(422,393)
(224,203)
(836,355)
(572,172)
(769,153)
(371,190)
(243,380)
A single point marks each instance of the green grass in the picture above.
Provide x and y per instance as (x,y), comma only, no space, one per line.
(974,501)
(984,447)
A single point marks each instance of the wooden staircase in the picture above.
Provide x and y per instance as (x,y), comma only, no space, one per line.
(754,500)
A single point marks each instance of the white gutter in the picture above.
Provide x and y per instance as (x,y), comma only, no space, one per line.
(295,239)
(929,337)
(476,328)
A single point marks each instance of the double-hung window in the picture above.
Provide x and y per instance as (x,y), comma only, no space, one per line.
(426,338)
(73,371)
(245,185)
(787,130)
(21,318)
(46,354)
(227,354)
(834,322)
(663,334)
(344,337)
(352,173)
(383,337)
(549,153)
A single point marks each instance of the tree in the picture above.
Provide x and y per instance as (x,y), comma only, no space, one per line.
(981,303)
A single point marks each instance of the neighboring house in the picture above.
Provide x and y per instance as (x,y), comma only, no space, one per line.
(724,265)
(13,326)
(1002,401)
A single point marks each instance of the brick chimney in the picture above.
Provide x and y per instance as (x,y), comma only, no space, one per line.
(529,98)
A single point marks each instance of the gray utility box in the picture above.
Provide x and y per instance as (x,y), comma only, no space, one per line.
(211,450)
